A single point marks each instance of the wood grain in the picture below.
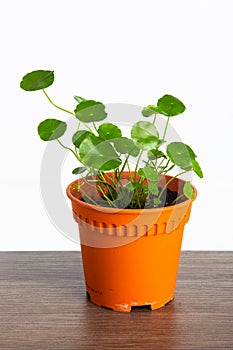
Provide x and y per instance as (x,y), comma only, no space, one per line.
(43,305)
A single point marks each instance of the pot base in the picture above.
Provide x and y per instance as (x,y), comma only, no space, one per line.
(128,307)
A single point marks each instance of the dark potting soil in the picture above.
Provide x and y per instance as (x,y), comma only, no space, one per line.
(167,199)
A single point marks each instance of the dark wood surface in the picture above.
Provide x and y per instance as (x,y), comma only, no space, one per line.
(43,305)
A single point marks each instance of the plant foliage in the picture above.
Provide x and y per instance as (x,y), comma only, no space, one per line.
(102,147)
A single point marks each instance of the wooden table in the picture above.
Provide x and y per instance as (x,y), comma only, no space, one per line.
(43,305)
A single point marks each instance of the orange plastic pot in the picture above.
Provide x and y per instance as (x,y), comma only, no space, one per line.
(130,256)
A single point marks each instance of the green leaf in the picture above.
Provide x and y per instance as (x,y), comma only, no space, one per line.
(37,80)
(109,131)
(124,145)
(153,188)
(79,170)
(98,155)
(145,134)
(131,186)
(191,152)
(89,111)
(149,111)
(79,136)
(196,167)
(156,201)
(51,129)
(179,154)
(170,106)
(149,173)
(79,99)
(155,154)
(188,190)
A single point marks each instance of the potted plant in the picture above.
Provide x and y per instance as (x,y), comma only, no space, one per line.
(131,218)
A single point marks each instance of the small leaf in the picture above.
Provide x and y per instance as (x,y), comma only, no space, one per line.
(153,188)
(170,106)
(188,190)
(79,136)
(89,111)
(179,154)
(79,99)
(98,155)
(79,170)
(51,129)
(124,145)
(109,131)
(149,173)
(145,134)
(155,154)
(149,111)
(156,201)
(133,185)
(37,80)
(196,167)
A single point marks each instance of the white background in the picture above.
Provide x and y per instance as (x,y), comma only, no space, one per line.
(117,51)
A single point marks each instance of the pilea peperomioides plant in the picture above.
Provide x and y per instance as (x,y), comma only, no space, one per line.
(101,148)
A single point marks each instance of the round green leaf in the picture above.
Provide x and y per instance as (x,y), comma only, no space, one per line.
(89,111)
(179,154)
(145,134)
(37,80)
(98,155)
(79,170)
(170,106)
(109,131)
(79,136)
(124,145)
(149,173)
(51,129)
(153,188)
(149,111)
(188,190)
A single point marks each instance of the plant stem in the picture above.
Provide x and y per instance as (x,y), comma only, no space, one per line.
(168,183)
(106,197)
(65,110)
(154,120)
(54,104)
(165,130)
(70,149)
(177,198)
(95,127)
(136,167)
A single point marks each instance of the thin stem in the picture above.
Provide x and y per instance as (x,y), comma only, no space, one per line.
(124,165)
(154,120)
(130,173)
(159,165)
(177,198)
(70,149)
(65,110)
(54,104)
(95,127)
(105,175)
(136,167)
(168,183)
(106,197)
(171,167)
(165,130)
